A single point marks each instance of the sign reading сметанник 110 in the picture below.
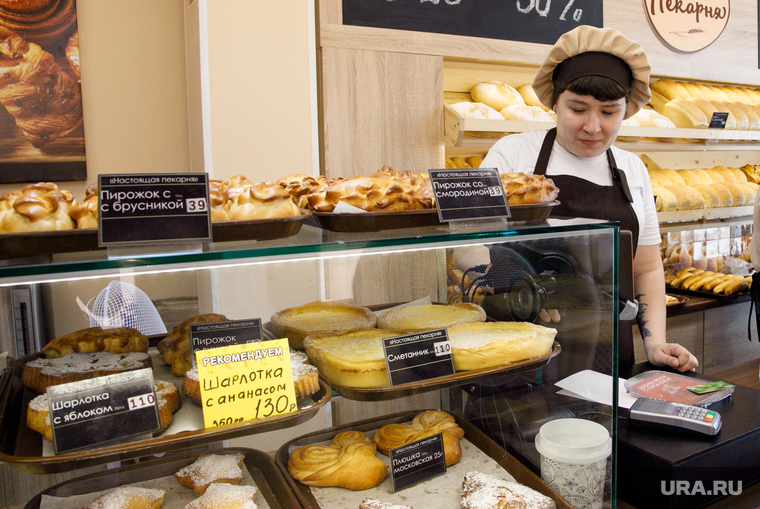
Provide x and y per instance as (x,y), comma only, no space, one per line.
(538,21)
(687,26)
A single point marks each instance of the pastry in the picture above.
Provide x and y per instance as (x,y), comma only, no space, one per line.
(348,462)
(72,54)
(373,503)
(218,202)
(219,496)
(86,213)
(476,110)
(305,378)
(39,21)
(129,497)
(495,94)
(419,182)
(427,317)
(40,374)
(211,468)
(45,101)
(96,339)
(301,186)
(481,345)
(522,189)
(262,201)
(423,425)
(320,317)
(353,359)
(483,491)
(175,347)
(370,194)
(38,417)
(38,207)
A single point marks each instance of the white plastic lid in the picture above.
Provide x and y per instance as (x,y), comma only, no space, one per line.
(576,441)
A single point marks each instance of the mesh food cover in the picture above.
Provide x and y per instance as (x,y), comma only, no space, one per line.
(124,305)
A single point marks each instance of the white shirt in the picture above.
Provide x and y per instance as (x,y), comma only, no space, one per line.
(519,153)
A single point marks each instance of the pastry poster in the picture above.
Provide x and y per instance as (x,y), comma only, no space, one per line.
(41,131)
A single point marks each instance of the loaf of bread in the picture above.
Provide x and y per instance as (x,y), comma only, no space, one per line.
(670,89)
(476,110)
(724,194)
(697,200)
(495,94)
(482,491)
(650,118)
(685,114)
(525,113)
(711,196)
(352,359)
(211,468)
(427,317)
(474,161)
(480,345)
(682,196)
(40,374)
(523,189)
(348,462)
(320,318)
(226,496)
(529,96)
(97,339)
(129,497)
(665,201)
(689,178)
(423,425)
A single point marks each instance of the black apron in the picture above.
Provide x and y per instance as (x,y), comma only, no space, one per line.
(581,198)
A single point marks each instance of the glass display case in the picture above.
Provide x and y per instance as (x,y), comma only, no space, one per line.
(563,270)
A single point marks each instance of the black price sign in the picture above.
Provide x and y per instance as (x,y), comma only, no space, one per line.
(540,21)
(718,120)
(417,461)
(104,409)
(153,208)
(418,356)
(464,193)
(213,335)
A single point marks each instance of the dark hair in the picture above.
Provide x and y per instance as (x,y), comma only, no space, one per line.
(600,88)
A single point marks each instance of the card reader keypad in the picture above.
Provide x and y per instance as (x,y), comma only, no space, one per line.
(696,413)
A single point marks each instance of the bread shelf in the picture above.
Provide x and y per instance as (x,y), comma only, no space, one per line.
(468,132)
(702,215)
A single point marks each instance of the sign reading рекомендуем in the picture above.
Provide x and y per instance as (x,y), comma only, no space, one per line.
(245,382)
(468,193)
(216,334)
(153,208)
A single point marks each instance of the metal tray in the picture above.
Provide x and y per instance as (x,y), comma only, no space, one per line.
(709,295)
(376,221)
(23,449)
(442,382)
(19,245)
(268,479)
(681,302)
(520,472)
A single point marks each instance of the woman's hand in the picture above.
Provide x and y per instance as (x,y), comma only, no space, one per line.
(673,355)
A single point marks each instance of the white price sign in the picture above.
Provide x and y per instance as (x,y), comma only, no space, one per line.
(442,348)
(140,401)
(195,204)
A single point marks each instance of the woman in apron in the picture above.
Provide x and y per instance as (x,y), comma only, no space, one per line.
(594,78)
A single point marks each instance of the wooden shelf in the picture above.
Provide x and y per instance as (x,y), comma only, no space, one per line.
(467,132)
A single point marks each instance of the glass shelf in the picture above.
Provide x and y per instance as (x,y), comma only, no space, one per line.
(309,243)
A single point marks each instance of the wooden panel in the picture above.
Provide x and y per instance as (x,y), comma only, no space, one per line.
(732,58)
(381,109)
(726,342)
(345,410)
(686,330)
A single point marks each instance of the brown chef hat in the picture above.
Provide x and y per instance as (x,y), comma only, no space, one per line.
(591,51)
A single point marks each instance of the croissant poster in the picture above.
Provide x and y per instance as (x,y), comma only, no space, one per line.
(41,131)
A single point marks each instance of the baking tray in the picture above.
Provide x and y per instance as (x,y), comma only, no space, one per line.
(262,468)
(19,245)
(709,295)
(441,382)
(682,301)
(474,436)
(376,221)
(23,448)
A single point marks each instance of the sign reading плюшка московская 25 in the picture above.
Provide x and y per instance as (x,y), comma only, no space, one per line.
(687,26)
(153,208)
(541,21)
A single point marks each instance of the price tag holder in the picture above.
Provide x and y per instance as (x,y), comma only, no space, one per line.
(718,120)
(153,208)
(468,193)
(245,382)
(103,410)
(418,356)
(216,334)
(417,461)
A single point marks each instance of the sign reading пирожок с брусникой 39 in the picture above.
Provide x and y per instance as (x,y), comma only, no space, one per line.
(468,193)
(153,208)
(102,410)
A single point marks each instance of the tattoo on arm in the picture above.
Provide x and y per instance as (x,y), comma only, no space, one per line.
(640,318)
